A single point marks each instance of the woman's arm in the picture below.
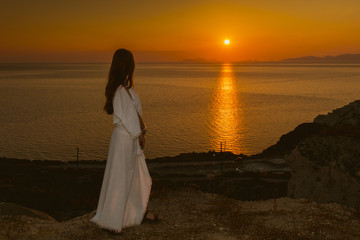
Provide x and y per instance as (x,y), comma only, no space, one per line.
(142,125)
(143,132)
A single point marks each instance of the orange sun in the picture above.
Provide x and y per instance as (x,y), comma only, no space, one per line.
(227,41)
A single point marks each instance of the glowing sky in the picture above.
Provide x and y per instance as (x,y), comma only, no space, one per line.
(163,30)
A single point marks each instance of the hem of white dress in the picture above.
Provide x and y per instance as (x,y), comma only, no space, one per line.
(119,231)
(147,201)
(106,227)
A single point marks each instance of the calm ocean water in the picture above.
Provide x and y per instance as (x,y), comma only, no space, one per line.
(48,110)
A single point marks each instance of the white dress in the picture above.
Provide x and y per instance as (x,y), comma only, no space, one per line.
(126,185)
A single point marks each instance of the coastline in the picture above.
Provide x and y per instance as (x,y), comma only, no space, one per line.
(211,195)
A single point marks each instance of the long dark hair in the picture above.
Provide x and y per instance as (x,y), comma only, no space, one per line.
(121,73)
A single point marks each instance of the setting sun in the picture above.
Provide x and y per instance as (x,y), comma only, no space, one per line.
(259,30)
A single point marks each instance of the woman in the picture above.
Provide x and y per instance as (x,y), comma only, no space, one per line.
(126,185)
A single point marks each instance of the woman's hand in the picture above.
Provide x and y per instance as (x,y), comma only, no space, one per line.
(142,141)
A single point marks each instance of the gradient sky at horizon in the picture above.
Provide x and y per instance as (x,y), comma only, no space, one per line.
(162,30)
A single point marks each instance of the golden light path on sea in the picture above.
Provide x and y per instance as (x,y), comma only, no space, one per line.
(227,115)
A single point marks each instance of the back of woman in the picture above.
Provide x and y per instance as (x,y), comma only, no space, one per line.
(127,183)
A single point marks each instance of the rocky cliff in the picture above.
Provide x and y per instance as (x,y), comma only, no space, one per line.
(326,166)
(345,116)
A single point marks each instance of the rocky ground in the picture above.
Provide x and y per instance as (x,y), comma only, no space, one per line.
(190,214)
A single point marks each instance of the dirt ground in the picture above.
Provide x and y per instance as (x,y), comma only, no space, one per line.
(191,214)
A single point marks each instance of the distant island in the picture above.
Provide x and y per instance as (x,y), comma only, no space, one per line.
(343,58)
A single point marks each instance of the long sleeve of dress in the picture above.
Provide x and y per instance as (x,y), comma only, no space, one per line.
(125,112)
(136,101)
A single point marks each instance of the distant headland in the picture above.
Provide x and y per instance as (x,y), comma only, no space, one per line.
(343,58)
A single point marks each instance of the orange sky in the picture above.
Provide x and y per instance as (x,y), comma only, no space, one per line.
(163,30)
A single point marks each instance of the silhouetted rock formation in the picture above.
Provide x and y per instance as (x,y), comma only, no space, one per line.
(347,115)
(290,140)
(343,121)
(326,167)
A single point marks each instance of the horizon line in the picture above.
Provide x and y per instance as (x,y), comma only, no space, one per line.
(302,59)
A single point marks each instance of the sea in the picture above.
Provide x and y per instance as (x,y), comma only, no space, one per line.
(55,111)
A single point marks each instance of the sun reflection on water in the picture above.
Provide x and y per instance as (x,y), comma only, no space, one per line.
(226,123)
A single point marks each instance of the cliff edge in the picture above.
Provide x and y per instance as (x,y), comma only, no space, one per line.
(325,167)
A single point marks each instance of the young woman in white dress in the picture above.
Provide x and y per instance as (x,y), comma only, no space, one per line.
(126,185)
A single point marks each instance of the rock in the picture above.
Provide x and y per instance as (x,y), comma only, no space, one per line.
(347,115)
(289,141)
(17,210)
(326,166)
(325,169)
(341,121)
